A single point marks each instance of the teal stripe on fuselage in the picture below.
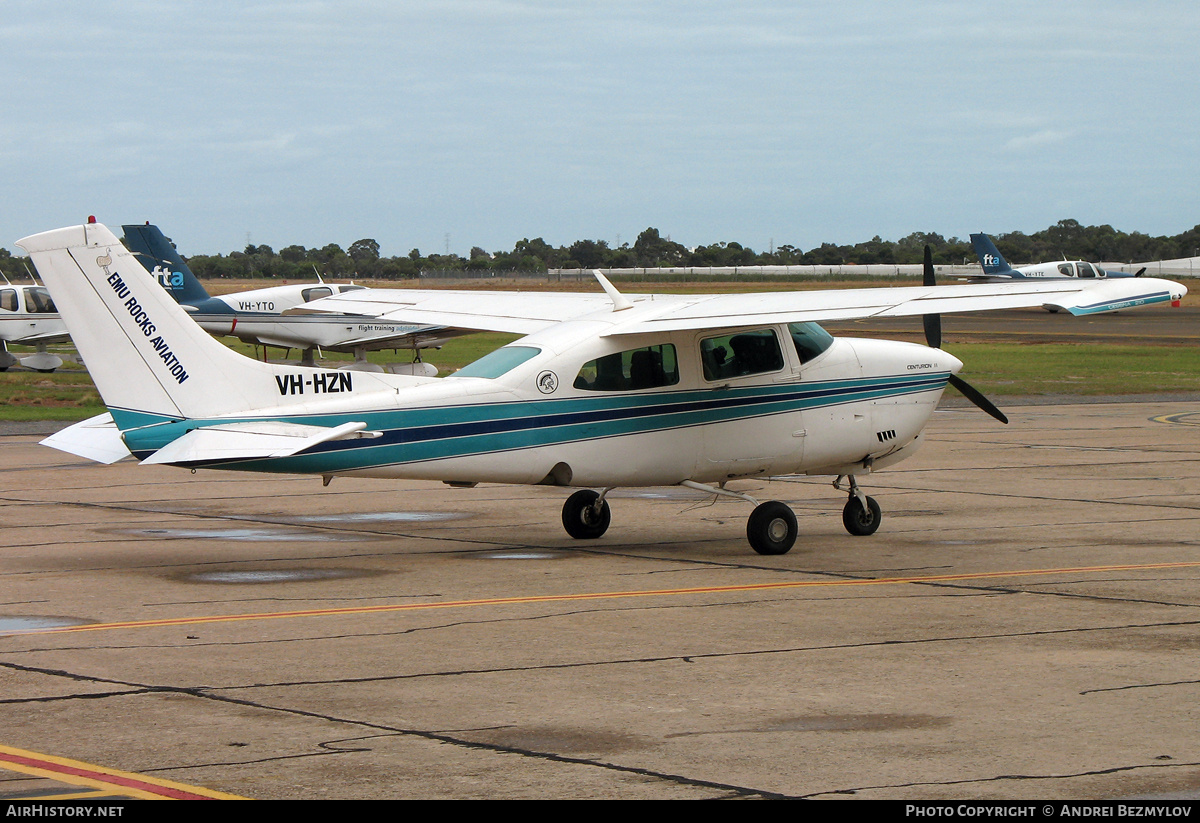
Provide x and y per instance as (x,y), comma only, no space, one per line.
(1116,305)
(412,435)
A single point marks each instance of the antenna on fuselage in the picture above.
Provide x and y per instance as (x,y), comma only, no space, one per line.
(620,301)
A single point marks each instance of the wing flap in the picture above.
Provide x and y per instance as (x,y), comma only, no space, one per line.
(252,440)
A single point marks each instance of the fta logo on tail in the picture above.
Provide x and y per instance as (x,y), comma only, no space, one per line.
(170,280)
(990,260)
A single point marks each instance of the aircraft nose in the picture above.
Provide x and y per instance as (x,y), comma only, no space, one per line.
(951,362)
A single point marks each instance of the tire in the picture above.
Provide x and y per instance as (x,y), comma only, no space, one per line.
(859,521)
(771,528)
(578,518)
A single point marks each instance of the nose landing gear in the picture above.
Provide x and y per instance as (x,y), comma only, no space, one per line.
(861,516)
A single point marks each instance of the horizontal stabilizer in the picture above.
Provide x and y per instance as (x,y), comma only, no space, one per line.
(96,438)
(252,440)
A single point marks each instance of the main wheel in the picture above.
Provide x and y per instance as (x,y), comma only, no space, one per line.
(771,528)
(859,521)
(579,515)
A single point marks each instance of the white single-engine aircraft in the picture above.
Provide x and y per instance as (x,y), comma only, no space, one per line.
(606,390)
(28,317)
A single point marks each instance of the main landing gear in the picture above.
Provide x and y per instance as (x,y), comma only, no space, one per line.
(586,515)
(771,528)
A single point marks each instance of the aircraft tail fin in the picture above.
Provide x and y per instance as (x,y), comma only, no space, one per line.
(149,360)
(155,252)
(994,264)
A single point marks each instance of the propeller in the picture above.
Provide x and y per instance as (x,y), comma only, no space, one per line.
(933,337)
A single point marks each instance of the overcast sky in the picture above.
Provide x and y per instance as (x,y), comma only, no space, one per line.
(488,121)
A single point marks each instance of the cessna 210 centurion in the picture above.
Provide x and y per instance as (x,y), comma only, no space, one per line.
(606,390)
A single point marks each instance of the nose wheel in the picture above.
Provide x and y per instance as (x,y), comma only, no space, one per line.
(861,515)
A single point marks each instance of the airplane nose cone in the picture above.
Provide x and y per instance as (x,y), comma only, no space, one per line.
(951,362)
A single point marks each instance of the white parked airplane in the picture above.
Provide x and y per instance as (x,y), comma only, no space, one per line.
(256,316)
(28,318)
(606,390)
(995,267)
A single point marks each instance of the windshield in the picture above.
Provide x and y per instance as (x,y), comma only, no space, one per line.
(501,361)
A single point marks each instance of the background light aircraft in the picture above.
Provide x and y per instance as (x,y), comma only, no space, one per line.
(996,268)
(256,316)
(28,318)
(606,390)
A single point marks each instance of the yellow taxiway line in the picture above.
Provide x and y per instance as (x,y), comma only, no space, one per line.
(563,598)
(108,782)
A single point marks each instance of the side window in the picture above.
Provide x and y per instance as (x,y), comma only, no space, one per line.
(1086,270)
(352,287)
(38,300)
(8,299)
(315,293)
(809,340)
(649,367)
(1066,269)
(741,354)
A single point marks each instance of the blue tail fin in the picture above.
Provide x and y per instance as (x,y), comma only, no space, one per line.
(990,258)
(154,251)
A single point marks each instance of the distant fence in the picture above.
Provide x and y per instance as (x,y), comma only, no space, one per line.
(729,272)
(766,272)
(1186,267)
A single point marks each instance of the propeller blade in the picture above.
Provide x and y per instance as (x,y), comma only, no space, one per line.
(1140,271)
(933,330)
(931,322)
(933,336)
(971,393)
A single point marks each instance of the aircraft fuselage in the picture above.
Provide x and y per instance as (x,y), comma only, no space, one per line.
(678,406)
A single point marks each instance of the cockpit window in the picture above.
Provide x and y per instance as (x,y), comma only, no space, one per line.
(740,354)
(809,340)
(315,293)
(499,362)
(8,299)
(351,287)
(1086,270)
(649,367)
(1066,269)
(38,300)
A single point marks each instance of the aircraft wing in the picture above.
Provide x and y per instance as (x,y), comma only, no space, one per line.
(528,312)
(502,311)
(37,338)
(733,310)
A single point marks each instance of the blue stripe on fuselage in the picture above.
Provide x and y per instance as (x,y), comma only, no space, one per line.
(411,435)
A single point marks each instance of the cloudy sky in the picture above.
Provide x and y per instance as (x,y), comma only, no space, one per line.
(424,123)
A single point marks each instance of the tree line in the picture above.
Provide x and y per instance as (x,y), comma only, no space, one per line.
(362,259)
